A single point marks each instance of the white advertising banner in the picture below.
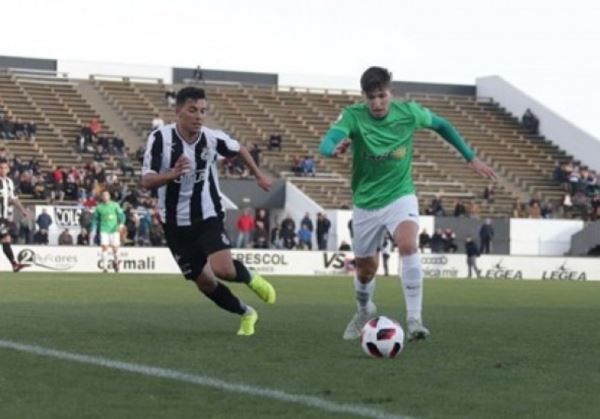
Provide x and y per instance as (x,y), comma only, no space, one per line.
(280,262)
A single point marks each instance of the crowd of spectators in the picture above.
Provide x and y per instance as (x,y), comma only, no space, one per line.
(581,192)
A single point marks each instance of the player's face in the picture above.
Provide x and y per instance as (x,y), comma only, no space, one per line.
(4,170)
(378,101)
(191,115)
(105,196)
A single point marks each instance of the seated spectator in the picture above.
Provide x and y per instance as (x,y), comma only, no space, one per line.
(19,129)
(40,237)
(86,133)
(535,210)
(139,154)
(98,155)
(80,143)
(473,210)
(3,129)
(157,122)
(297,165)
(65,238)
(255,153)
(34,166)
(547,210)
(530,122)
(459,209)
(436,207)
(574,179)
(83,238)
(118,145)
(95,127)
(275,141)
(26,182)
(9,128)
(437,241)
(126,165)
(31,130)
(449,241)
(489,192)
(308,166)
(424,240)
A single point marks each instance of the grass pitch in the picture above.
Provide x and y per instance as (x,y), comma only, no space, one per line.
(498,349)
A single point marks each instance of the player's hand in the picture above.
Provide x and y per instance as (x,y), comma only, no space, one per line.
(264,182)
(341,147)
(182,165)
(482,169)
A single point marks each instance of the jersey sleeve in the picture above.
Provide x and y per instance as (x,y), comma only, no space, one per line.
(422,115)
(226,146)
(153,154)
(345,123)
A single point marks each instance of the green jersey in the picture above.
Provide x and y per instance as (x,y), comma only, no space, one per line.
(110,216)
(382,151)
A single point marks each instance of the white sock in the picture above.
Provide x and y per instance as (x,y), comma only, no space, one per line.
(364,293)
(412,283)
(104,262)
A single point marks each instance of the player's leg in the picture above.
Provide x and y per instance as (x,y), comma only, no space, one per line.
(368,234)
(402,219)
(115,242)
(7,248)
(104,243)
(218,246)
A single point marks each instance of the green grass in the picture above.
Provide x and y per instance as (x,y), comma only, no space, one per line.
(498,349)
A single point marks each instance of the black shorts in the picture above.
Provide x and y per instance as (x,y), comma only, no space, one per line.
(4,228)
(191,245)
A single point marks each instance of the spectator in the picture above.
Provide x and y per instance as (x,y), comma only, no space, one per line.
(245,225)
(139,154)
(547,210)
(449,241)
(95,127)
(323,226)
(275,237)
(307,222)
(386,250)
(304,237)
(198,74)
(98,155)
(288,233)
(308,166)
(472,210)
(459,209)
(486,234)
(25,229)
(31,130)
(567,204)
(424,240)
(344,246)
(263,216)
(489,192)
(297,165)
(255,153)
(436,207)
(437,241)
(170,97)
(275,141)
(126,165)
(530,122)
(574,180)
(83,238)
(65,238)
(19,129)
(472,255)
(85,219)
(260,236)
(156,233)
(44,220)
(118,145)
(40,237)
(535,210)
(157,122)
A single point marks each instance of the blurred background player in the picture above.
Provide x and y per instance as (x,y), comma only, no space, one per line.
(109,217)
(380,131)
(180,161)
(8,198)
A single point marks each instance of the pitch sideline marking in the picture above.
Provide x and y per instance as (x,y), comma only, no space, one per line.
(202,380)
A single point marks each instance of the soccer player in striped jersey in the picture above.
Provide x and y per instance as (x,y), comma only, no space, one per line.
(8,198)
(380,131)
(180,161)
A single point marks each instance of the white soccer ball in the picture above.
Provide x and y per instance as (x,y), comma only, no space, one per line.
(382,337)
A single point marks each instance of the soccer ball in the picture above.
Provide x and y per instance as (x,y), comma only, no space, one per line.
(382,337)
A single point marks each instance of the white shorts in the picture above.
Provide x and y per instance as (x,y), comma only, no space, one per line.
(110,239)
(370,226)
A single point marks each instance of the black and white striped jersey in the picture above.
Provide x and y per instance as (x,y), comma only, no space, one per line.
(7,194)
(194,196)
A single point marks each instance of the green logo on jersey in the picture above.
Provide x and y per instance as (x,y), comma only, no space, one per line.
(397,154)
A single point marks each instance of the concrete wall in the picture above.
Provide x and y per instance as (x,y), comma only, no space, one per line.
(28,63)
(401,88)
(180,74)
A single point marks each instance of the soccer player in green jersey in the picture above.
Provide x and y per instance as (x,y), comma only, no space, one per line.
(110,217)
(380,131)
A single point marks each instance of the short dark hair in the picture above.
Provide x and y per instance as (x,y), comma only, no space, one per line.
(375,78)
(190,92)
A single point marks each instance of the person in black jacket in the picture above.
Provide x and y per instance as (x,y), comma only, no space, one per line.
(472,255)
(323,226)
(486,234)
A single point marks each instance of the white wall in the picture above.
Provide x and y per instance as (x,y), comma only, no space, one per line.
(542,237)
(83,69)
(566,135)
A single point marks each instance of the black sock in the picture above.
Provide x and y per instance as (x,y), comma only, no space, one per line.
(8,252)
(223,297)
(242,274)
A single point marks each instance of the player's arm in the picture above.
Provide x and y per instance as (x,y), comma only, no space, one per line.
(152,177)
(337,140)
(447,131)
(17,203)
(228,147)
